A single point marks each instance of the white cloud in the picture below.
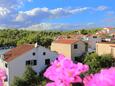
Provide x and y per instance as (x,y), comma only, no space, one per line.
(51,26)
(102,8)
(12,3)
(4,11)
(58,26)
(45,13)
(12,16)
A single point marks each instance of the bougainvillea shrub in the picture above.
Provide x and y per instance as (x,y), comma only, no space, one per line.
(106,77)
(63,72)
(2,76)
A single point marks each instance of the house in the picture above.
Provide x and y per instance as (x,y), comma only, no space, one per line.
(109,30)
(104,48)
(106,30)
(92,40)
(71,36)
(112,36)
(69,47)
(16,60)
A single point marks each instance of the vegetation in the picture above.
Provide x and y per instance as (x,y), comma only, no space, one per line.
(96,63)
(89,31)
(29,78)
(14,37)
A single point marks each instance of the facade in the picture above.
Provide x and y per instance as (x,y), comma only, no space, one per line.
(16,60)
(105,48)
(68,47)
(112,36)
(105,31)
(113,51)
(92,40)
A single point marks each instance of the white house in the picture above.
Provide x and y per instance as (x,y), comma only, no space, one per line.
(106,31)
(91,40)
(16,60)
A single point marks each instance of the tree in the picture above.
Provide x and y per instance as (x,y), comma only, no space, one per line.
(96,62)
(18,82)
(29,78)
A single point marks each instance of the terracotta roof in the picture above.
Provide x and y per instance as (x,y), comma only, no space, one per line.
(19,50)
(112,45)
(66,41)
(108,28)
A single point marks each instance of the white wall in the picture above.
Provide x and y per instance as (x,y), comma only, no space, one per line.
(92,42)
(79,51)
(17,66)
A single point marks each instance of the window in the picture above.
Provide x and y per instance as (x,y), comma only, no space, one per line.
(94,36)
(75,46)
(27,62)
(34,53)
(6,65)
(44,53)
(34,62)
(75,58)
(47,61)
(31,62)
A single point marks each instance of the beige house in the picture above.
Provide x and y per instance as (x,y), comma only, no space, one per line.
(68,47)
(105,48)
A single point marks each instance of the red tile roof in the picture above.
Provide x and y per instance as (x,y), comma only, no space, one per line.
(66,41)
(112,45)
(19,50)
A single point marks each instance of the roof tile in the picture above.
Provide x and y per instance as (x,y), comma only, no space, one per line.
(66,41)
(15,52)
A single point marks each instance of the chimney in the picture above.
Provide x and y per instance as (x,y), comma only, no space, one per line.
(36,45)
(2,56)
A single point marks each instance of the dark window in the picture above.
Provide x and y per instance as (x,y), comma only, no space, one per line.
(94,36)
(44,53)
(27,62)
(75,46)
(47,61)
(31,62)
(6,65)
(34,62)
(34,53)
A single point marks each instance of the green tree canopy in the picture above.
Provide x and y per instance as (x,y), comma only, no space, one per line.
(96,62)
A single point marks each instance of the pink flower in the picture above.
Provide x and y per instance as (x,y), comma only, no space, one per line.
(65,71)
(2,76)
(58,83)
(106,77)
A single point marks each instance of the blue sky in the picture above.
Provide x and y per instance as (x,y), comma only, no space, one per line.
(26,13)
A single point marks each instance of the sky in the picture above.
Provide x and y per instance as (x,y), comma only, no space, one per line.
(37,13)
